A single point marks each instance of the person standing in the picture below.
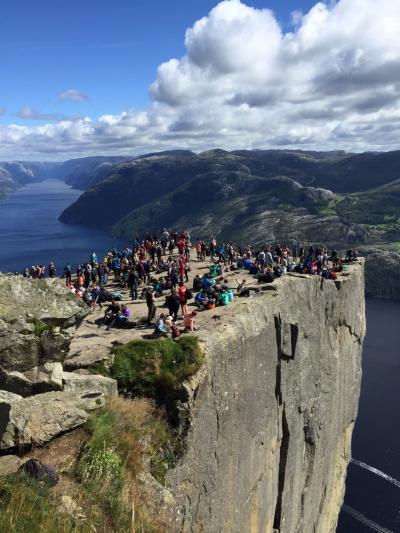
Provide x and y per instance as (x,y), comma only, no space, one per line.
(52,270)
(172,301)
(133,282)
(183,297)
(68,273)
(151,305)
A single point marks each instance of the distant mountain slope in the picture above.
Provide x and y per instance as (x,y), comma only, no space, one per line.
(18,173)
(242,207)
(84,172)
(248,193)
(79,173)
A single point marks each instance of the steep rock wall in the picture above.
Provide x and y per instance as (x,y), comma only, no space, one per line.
(272,412)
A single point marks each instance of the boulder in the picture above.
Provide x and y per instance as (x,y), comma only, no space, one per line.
(9,464)
(33,421)
(38,379)
(70,507)
(38,319)
(89,382)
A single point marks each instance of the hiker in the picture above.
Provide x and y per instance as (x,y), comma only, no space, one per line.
(68,273)
(122,318)
(172,328)
(197,283)
(111,313)
(189,321)
(201,299)
(133,282)
(51,269)
(160,327)
(172,302)
(183,297)
(151,306)
(242,289)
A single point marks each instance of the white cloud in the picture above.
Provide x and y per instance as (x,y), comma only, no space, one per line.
(27,113)
(333,82)
(73,95)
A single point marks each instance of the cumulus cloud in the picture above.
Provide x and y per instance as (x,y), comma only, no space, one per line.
(332,82)
(73,95)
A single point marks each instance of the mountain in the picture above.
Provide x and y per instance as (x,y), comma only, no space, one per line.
(334,197)
(84,172)
(79,173)
(14,175)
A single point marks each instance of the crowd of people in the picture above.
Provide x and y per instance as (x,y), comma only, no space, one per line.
(159,267)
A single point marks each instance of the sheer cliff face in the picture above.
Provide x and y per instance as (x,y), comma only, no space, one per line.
(273,411)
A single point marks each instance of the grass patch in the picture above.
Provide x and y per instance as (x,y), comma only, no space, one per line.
(39,327)
(28,506)
(126,437)
(144,368)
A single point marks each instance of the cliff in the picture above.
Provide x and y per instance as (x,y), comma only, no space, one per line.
(268,418)
(272,411)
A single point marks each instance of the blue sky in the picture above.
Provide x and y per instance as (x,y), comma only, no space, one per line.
(98,77)
(109,51)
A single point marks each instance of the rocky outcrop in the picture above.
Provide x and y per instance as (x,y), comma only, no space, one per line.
(33,421)
(38,400)
(37,322)
(84,383)
(272,411)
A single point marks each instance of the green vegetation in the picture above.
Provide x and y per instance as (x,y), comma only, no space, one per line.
(28,506)
(144,368)
(330,209)
(125,439)
(125,436)
(39,327)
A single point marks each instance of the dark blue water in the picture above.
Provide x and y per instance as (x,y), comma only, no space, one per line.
(376,438)
(31,234)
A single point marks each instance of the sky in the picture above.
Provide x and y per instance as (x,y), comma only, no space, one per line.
(133,76)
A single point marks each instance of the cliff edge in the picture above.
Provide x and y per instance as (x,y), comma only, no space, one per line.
(272,411)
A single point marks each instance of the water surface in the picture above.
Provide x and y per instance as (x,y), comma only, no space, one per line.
(376,438)
(30,232)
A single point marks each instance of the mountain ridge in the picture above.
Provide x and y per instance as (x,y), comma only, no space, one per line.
(286,194)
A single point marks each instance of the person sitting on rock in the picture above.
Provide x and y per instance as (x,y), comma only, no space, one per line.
(111,313)
(160,327)
(189,321)
(242,289)
(201,299)
(197,283)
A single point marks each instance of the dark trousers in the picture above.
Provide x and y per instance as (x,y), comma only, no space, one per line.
(151,313)
(134,292)
(173,311)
